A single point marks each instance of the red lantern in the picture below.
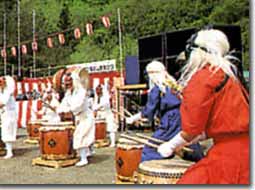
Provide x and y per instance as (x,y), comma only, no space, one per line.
(106,21)
(24,49)
(49,43)
(3,53)
(77,33)
(34,46)
(89,28)
(14,51)
(61,39)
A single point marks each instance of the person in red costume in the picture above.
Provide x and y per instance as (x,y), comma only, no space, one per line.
(214,105)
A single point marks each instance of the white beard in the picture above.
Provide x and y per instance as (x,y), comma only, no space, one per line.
(157,79)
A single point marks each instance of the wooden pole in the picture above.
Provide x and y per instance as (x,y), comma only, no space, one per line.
(18,29)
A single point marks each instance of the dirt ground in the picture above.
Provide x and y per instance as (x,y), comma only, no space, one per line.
(19,170)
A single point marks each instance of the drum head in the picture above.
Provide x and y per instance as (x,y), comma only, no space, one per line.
(128,144)
(57,124)
(100,121)
(37,121)
(164,167)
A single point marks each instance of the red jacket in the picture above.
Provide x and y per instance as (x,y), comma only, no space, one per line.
(224,116)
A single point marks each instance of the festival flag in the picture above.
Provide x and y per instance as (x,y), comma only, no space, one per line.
(3,53)
(49,42)
(77,33)
(89,28)
(34,46)
(24,49)
(106,21)
(14,51)
(61,38)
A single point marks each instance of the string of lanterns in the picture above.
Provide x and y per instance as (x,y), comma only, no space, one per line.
(61,38)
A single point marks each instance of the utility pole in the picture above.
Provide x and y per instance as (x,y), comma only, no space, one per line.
(4,48)
(120,44)
(34,40)
(18,29)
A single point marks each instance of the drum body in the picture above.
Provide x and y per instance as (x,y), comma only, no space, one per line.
(161,171)
(100,132)
(127,158)
(2,145)
(57,80)
(56,141)
(33,129)
(68,116)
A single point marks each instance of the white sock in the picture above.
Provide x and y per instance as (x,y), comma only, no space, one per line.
(8,147)
(112,138)
(83,153)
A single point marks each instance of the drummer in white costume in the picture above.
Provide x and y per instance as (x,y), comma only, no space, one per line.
(8,113)
(49,109)
(102,108)
(76,101)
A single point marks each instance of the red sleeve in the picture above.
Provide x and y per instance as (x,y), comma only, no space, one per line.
(198,98)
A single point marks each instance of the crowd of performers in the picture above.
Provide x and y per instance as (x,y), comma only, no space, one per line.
(210,103)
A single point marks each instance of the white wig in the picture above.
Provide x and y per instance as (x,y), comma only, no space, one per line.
(158,75)
(212,49)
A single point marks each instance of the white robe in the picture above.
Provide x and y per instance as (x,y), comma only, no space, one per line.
(8,116)
(104,111)
(77,102)
(49,114)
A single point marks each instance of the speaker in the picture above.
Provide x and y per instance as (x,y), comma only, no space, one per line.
(233,33)
(151,47)
(165,47)
(132,70)
(175,44)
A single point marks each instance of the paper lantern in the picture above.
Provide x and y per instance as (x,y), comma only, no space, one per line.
(89,28)
(24,49)
(14,51)
(49,43)
(61,39)
(106,21)
(77,33)
(3,53)
(34,46)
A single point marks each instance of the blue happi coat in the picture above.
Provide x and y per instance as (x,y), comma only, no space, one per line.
(166,106)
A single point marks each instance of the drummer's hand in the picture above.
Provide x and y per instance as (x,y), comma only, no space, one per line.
(165,149)
(133,118)
(129,120)
(95,114)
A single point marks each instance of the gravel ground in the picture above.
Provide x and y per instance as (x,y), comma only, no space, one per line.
(19,170)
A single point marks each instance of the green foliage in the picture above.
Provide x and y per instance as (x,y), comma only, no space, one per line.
(138,18)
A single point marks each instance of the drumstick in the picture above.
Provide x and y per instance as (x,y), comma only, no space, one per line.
(120,114)
(149,138)
(142,141)
(49,106)
(127,112)
(177,152)
(161,141)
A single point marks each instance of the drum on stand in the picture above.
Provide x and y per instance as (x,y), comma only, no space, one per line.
(68,116)
(33,129)
(2,145)
(127,158)
(101,139)
(100,133)
(167,171)
(56,141)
